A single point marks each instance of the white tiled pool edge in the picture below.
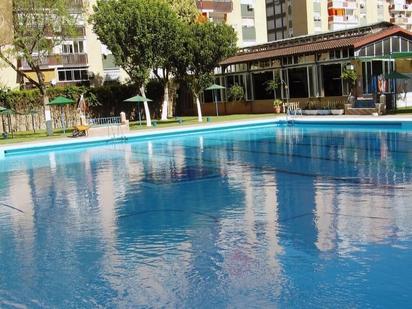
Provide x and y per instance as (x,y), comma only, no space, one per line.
(205,127)
(146,133)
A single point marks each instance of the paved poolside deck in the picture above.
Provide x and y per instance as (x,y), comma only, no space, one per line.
(192,129)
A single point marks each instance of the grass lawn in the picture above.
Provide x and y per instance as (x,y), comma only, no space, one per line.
(21,137)
(402,110)
(191,120)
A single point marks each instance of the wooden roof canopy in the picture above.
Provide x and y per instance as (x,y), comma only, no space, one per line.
(350,38)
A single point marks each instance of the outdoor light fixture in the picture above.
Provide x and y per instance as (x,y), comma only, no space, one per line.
(350,67)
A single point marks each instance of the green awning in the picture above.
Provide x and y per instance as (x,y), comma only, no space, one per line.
(61,101)
(138,98)
(393,56)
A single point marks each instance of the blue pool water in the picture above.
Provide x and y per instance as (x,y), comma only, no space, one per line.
(278,216)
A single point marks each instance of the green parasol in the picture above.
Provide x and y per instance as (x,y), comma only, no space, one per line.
(7,112)
(395,76)
(61,101)
(213,88)
(137,99)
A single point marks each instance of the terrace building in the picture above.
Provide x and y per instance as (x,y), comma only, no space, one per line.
(309,68)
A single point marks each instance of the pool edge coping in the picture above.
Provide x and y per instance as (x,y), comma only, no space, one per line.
(193,129)
(155,132)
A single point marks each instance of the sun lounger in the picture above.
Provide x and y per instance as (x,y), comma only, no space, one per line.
(80,130)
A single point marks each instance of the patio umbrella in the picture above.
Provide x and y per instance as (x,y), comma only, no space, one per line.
(213,88)
(82,108)
(2,109)
(33,112)
(395,76)
(61,101)
(137,99)
(7,112)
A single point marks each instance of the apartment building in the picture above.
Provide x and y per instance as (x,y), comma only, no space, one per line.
(81,59)
(247,17)
(289,18)
(401,13)
(8,77)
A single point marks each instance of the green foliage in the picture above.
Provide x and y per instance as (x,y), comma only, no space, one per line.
(350,76)
(103,101)
(277,102)
(236,93)
(206,45)
(186,10)
(272,85)
(143,35)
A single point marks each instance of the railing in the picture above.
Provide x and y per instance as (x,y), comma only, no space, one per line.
(53,60)
(222,6)
(103,122)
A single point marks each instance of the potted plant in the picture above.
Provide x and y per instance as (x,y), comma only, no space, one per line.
(310,109)
(350,76)
(277,104)
(337,108)
(236,93)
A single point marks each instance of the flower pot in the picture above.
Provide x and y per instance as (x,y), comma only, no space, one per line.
(323,112)
(310,112)
(336,111)
(277,109)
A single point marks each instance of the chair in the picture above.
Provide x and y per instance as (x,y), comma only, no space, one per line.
(293,108)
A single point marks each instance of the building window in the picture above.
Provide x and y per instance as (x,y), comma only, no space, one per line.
(73,75)
(75,47)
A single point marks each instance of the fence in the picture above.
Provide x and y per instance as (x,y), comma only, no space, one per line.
(104,122)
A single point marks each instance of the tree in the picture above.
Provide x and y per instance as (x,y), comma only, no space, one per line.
(236,93)
(186,10)
(38,27)
(207,45)
(143,36)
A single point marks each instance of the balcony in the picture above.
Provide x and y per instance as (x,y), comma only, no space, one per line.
(399,20)
(220,6)
(399,8)
(59,60)
(340,4)
(348,20)
(76,32)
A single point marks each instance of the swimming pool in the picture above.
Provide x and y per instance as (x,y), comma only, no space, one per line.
(274,216)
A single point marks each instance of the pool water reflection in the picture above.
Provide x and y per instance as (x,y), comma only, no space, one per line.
(274,216)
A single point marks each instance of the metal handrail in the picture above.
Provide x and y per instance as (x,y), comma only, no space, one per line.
(102,122)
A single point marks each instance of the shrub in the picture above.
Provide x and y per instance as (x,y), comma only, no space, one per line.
(236,93)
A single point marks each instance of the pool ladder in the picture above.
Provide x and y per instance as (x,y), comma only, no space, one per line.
(290,119)
(115,133)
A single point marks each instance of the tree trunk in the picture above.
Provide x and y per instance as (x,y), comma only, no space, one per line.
(171,109)
(47,113)
(199,109)
(165,105)
(146,107)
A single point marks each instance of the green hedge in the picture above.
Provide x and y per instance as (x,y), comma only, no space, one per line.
(103,101)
